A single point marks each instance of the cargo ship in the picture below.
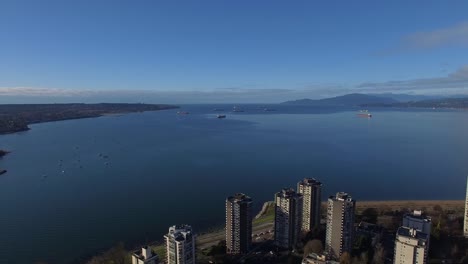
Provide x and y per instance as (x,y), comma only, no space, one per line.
(364,113)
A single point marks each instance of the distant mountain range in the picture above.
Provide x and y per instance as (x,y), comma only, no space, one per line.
(459,103)
(410,97)
(354,99)
(387,100)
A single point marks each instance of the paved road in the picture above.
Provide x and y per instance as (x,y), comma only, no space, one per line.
(211,239)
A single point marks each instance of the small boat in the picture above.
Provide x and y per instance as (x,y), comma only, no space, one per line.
(218,109)
(268,109)
(221,116)
(236,109)
(3,172)
(182,113)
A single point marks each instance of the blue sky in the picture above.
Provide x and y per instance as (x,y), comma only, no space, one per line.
(229,51)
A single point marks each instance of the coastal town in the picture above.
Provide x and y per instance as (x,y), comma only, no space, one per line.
(298,227)
(233,132)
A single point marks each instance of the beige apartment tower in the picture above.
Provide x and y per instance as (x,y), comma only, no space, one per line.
(411,246)
(311,190)
(238,224)
(180,245)
(288,218)
(340,225)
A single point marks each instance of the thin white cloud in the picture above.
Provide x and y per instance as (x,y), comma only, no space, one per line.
(38,91)
(221,95)
(454,35)
(457,80)
(453,83)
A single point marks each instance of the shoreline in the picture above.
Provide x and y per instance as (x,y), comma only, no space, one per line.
(17,118)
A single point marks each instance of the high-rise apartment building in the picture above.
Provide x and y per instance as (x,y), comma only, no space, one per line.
(340,225)
(410,246)
(180,245)
(465,222)
(238,224)
(288,218)
(414,237)
(311,190)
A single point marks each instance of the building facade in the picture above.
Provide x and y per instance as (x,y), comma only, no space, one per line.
(180,245)
(145,256)
(411,246)
(238,224)
(311,190)
(465,222)
(417,220)
(340,225)
(288,218)
(412,223)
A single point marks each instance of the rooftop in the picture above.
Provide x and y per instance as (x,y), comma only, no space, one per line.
(418,214)
(287,192)
(342,196)
(139,253)
(310,182)
(179,232)
(239,197)
(410,232)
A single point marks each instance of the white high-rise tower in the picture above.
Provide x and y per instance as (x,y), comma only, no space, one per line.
(180,245)
(465,225)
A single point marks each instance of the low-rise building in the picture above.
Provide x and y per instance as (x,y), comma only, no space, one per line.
(314,258)
(145,256)
(419,221)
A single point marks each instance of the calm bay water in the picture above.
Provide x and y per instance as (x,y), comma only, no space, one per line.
(74,187)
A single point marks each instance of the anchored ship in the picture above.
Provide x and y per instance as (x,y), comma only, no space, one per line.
(364,113)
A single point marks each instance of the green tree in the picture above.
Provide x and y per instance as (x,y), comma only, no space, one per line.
(438,208)
(379,255)
(364,257)
(370,215)
(345,258)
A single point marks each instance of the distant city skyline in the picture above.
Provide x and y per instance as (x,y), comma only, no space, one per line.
(163,52)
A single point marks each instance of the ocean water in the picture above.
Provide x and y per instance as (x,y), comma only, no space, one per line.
(79,186)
